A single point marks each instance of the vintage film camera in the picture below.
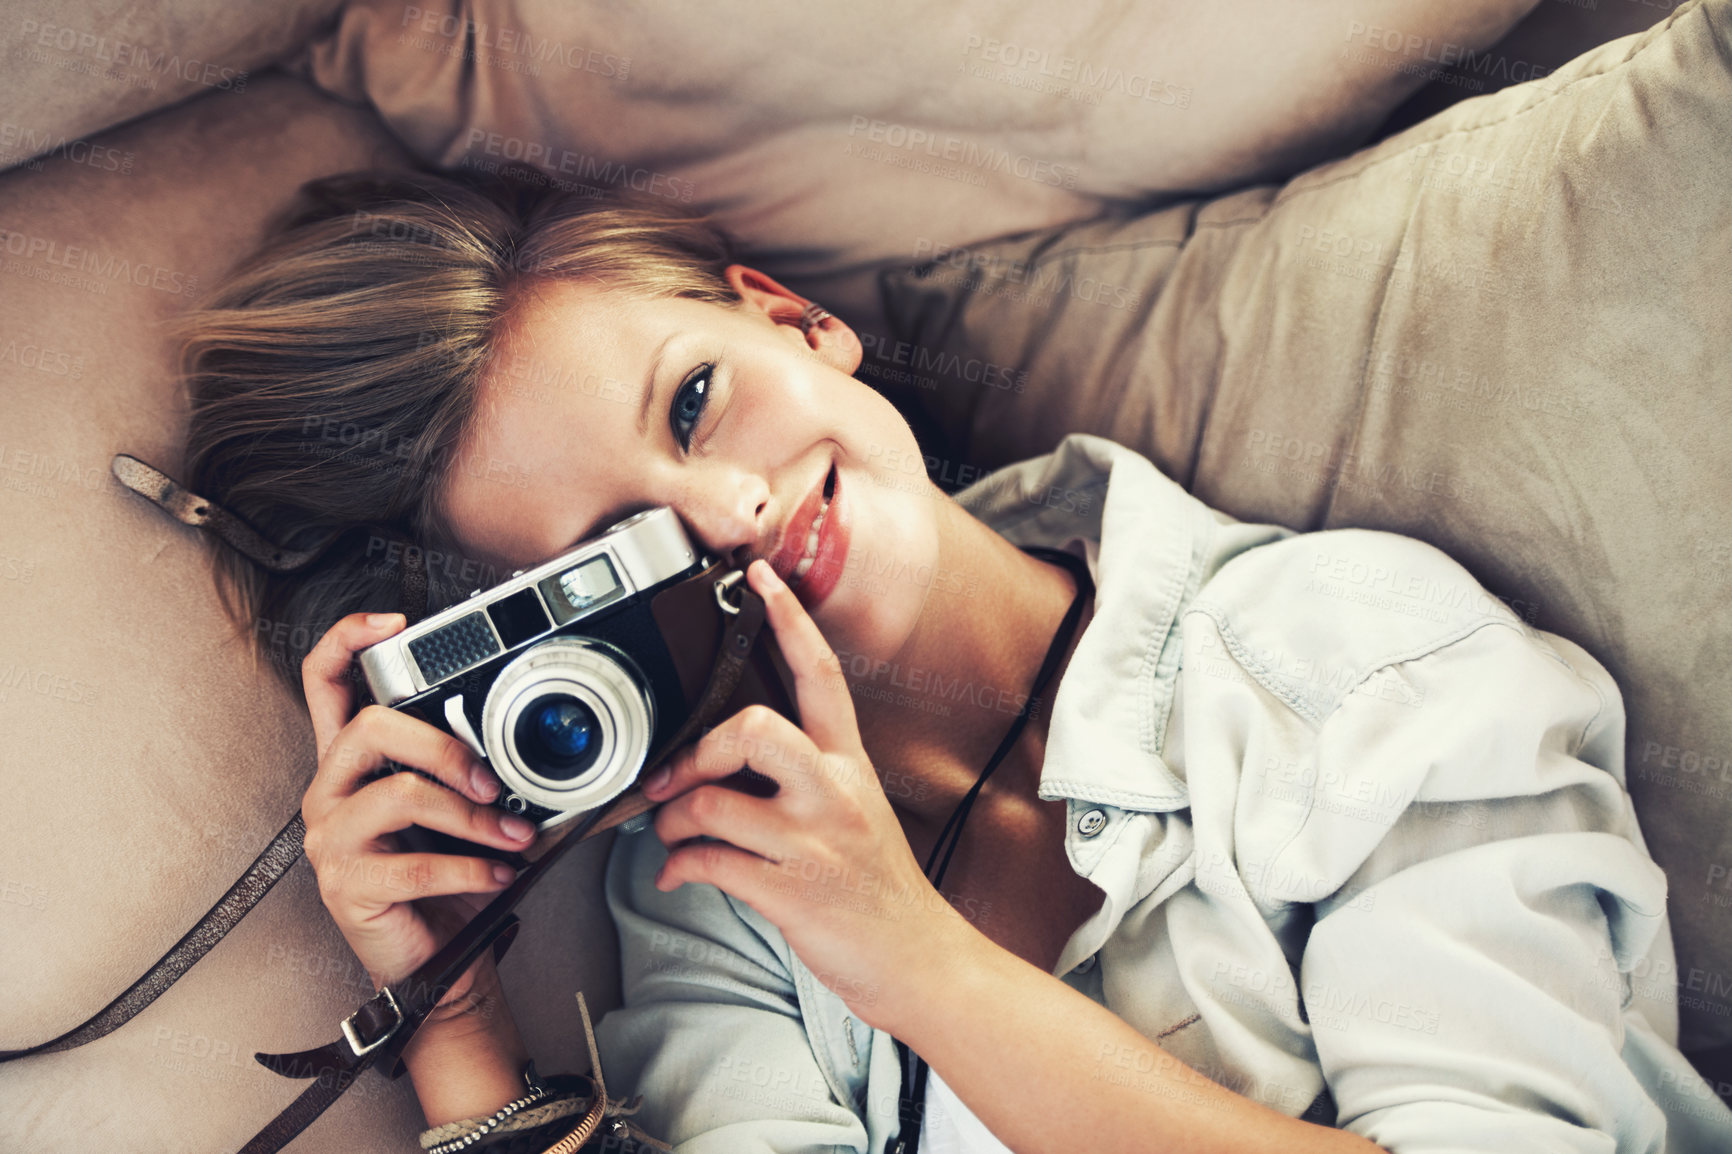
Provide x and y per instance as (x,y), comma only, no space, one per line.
(567,677)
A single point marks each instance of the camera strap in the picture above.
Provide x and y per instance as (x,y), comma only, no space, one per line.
(382,1027)
(267,869)
(189,508)
(284,849)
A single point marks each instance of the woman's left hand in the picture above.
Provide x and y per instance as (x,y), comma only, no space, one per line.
(824,859)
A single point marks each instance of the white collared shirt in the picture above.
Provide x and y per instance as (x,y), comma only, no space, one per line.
(1358,828)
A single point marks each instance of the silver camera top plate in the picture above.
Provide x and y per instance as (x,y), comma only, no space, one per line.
(640,552)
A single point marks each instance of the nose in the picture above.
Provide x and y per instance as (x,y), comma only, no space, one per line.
(726,513)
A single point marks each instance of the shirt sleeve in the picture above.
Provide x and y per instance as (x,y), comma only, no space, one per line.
(1467,987)
(711,1032)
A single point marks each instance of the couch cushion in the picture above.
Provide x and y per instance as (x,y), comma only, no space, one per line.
(832,137)
(148,760)
(1504,331)
(68,70)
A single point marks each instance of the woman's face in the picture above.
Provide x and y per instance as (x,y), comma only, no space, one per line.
(601,403)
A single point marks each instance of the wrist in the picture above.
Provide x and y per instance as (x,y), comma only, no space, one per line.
(473,1003)
(467,1059)
(951,951)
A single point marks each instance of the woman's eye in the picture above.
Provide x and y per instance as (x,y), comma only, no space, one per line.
(690,400)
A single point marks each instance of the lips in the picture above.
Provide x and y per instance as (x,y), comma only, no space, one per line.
(813,534)
(814,542)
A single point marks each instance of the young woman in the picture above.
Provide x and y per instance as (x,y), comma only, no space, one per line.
(1307,843)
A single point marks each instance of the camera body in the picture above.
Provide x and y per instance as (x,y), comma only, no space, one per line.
(567,677)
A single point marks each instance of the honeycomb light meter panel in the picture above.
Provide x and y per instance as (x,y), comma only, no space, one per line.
(453,649)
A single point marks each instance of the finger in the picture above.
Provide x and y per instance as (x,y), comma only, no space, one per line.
(378,735)
(820,691)
(757,737)
(376,880)
(756,825)
(325,673)
(729,868)
(403,799)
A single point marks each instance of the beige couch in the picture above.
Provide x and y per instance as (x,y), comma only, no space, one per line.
(146,759)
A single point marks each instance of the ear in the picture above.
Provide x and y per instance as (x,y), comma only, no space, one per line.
(833,342)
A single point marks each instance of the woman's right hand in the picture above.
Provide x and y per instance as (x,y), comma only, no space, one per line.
(395,908)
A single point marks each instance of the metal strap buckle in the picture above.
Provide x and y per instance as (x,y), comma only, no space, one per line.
(725,586)
(353,1036)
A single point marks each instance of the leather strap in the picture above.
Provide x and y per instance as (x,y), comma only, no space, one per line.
(385,1024)
(285,848)
(267,869)
(189,508)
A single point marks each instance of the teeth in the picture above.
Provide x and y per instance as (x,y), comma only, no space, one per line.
(811,553)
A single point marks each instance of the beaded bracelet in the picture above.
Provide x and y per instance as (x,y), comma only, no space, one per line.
(536,1093)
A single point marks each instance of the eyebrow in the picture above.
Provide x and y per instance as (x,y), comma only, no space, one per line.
(650,384)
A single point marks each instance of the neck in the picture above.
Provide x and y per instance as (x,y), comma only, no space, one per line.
(934,713)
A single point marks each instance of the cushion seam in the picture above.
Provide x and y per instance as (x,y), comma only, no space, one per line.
(1133,245)
(1551,95)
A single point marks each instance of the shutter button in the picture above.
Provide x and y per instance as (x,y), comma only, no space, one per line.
(1091,823)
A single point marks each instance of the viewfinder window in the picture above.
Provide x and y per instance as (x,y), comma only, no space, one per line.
(584,587)
(519,617)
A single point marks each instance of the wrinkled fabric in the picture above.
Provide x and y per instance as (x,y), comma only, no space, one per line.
(1502,331)
(833,139)
(1357,826)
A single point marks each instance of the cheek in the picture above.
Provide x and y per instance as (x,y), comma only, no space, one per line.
(892,442)
(821,397)
(763,419)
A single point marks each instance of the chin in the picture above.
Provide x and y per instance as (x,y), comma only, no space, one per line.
(859,622)
(883,590)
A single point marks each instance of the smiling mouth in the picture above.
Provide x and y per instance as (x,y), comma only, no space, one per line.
(810,555)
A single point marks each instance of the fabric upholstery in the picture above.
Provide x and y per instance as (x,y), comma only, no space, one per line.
(146,759)
(1504,331)
(71,69)
(829,139)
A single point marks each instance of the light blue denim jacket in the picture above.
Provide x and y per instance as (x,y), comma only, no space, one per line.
(1358,827)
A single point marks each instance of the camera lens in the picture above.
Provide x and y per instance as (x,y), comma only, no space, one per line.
(558,736)
(568,723)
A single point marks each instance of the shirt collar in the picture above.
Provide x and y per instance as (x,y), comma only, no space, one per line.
(1149,546)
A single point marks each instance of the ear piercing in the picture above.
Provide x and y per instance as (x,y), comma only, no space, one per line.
(814,316)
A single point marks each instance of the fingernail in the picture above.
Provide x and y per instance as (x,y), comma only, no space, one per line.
(771,575)
(482,783)
(657,781)
(503,874)
(381,620)
(515,827)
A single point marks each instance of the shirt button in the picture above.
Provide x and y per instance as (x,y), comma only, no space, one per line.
(1084,966)
(1091,823)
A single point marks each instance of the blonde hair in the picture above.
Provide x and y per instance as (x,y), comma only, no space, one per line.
(334,375)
